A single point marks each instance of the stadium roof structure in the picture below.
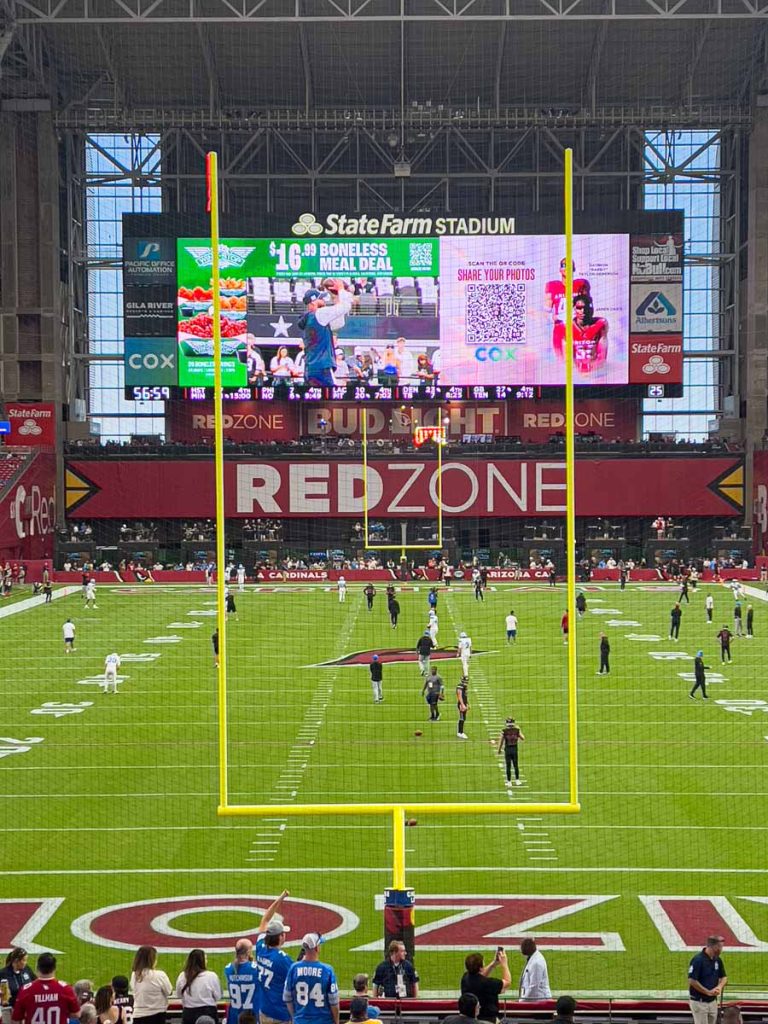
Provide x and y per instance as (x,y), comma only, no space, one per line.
(383,64)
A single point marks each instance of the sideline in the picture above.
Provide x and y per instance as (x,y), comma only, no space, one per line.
(34,602)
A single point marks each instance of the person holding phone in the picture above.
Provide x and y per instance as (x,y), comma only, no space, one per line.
(478,982)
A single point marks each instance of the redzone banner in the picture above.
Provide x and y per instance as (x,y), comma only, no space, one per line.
(28,512)
(33,424)
(401,488)
(193,422)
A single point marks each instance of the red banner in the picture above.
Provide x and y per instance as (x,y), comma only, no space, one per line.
(655,359)
(28,512)
(193,422)
(33,424)
(400,488)
(610,419)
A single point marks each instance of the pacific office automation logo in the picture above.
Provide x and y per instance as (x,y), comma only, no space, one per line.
(148,252)
(656,364)
(229,255)
(307,225)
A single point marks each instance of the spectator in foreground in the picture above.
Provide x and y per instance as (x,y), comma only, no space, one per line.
(84,990)
(469,1007)
(198,988)
(396,977)
(323,1008)
(88,1014)
(123,998)
(358,1009)
(360,986)
(104,1004)
(477,981)
(151,988)
(534,981)
(565,1010)
(44,995)
(16,972)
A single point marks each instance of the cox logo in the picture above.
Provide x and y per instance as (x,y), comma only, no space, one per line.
(493,354)
(151,361)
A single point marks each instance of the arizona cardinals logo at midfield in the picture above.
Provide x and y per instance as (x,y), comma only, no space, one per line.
(389,656)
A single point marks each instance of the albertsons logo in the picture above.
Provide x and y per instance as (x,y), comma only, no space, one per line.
(229,255)
(656,308)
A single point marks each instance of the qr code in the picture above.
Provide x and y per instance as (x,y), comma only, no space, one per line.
(420,255)
(496,314)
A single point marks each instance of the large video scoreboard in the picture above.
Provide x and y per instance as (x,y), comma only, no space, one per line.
(432,315)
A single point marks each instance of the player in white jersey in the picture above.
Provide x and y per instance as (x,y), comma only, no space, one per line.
(111,668)
(90,594)
(341,586)
(709,604)
(465,652)
(433,625)
(736,588)
(241,578)
(68,629)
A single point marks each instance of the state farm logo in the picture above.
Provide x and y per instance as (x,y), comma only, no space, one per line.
(30,429)
(656,364)
(307,225)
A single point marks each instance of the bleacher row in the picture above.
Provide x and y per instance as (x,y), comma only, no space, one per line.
(411,296)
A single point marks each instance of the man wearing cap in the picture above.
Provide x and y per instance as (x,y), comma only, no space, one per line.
(318,324)
(242,975)
(273,964)
(424,647)
(310,993)
(699,675)
(377,674)
(396,977)
(706,981)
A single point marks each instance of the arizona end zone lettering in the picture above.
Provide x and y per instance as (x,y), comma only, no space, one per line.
(457,922)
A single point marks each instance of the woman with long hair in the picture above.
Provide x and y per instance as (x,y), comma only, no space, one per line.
(151,988)
(198,988)
(16,972)
(104,1004)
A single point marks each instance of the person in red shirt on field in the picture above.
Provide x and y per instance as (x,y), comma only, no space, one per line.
(564,626)
(45,1000)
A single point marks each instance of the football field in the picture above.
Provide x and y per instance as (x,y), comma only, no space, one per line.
(110,800)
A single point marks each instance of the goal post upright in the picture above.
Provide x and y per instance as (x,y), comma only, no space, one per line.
(570,490)
(212,181)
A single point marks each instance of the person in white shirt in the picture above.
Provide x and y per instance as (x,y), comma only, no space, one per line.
(511,621)
(90,594)
(709,604)
(465,652)
(406,363)
(151,988)
(342,588)
(68,629)
(433,626)
(198,989)
(111,668)
(241,578)
(534,981)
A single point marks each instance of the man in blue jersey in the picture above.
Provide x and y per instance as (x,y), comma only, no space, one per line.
(311,994)
(241,982)
(241,976)
(273,964)
(323,317)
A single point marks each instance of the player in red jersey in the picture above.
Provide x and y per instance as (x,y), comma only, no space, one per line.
(45,1000)
(554,292)
(590,336)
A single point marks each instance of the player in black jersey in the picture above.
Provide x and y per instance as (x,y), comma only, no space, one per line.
(511,735)
(462,703)
(370,593)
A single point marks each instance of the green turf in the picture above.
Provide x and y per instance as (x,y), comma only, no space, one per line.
(118,802)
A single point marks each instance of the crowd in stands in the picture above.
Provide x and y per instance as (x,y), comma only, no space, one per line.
(470,443)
